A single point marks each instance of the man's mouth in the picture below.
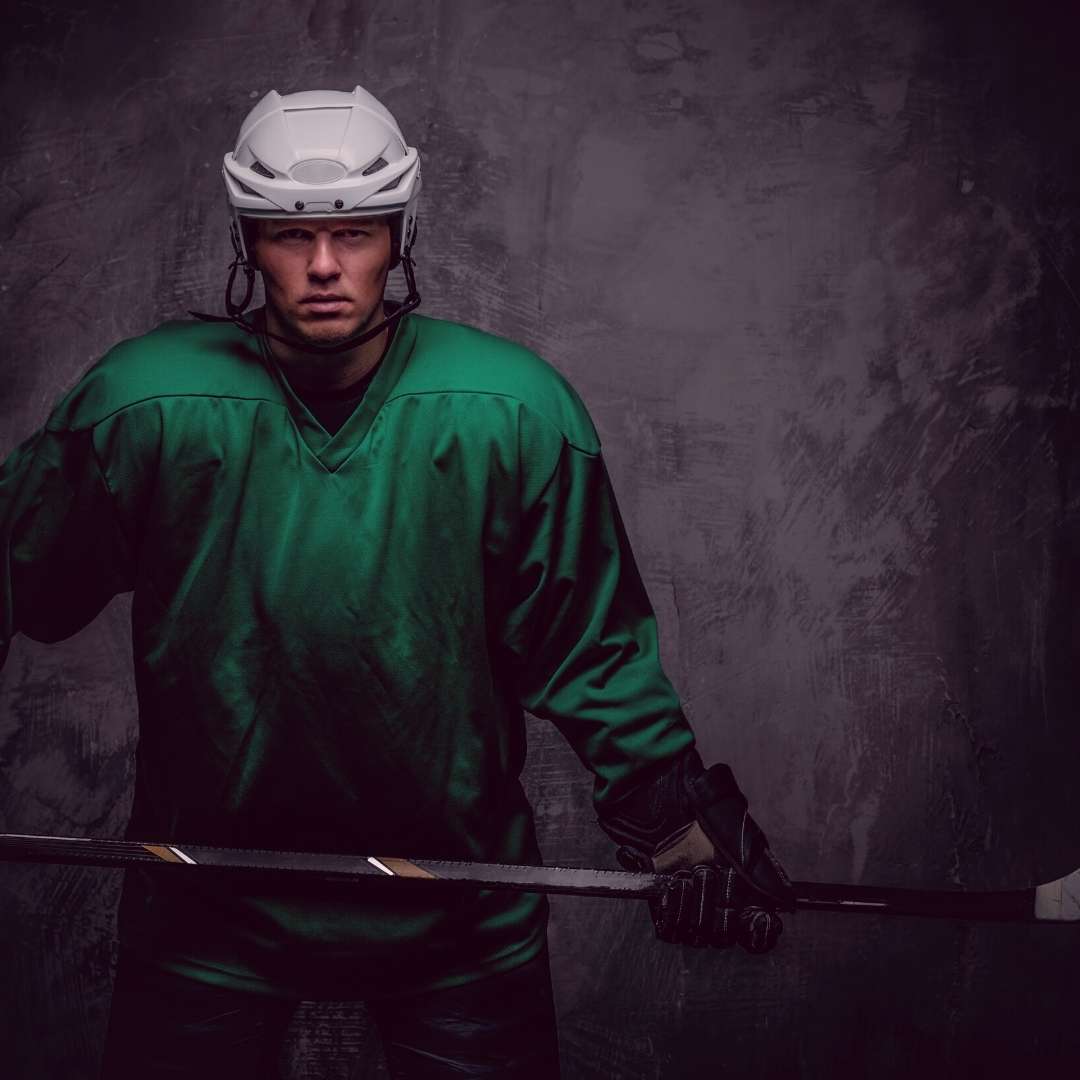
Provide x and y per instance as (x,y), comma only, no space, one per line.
(329,304)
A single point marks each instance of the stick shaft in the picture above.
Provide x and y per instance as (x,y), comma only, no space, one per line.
(1020,905)
(1016,905)
(326,867)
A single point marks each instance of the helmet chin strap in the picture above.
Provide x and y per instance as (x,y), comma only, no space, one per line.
(236,311)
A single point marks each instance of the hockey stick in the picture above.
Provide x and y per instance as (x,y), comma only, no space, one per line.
(1054,902)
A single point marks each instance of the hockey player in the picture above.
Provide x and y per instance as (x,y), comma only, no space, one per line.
(360,542)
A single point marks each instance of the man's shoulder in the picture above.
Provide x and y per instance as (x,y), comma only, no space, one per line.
(178,358)
(452,357)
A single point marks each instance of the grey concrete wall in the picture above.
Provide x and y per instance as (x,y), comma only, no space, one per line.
(813,267)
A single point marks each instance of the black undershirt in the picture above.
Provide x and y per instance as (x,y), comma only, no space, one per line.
(333,407)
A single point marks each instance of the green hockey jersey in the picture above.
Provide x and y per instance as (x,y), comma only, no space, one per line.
(335,636)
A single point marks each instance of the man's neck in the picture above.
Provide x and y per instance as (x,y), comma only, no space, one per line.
(325,371)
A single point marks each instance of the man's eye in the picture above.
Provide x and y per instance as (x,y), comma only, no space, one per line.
(292,234)
(352,234)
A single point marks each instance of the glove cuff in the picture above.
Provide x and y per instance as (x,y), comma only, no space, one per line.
(654,815)
(686,816)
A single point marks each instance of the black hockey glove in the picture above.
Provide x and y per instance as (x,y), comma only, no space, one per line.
(692,822)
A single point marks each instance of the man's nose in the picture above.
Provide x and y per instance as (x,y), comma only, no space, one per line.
(324,262)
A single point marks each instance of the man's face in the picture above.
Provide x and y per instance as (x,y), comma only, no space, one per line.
(324,277)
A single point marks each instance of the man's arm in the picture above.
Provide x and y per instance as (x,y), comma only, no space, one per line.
(62,553)
(579,633)
(582,639)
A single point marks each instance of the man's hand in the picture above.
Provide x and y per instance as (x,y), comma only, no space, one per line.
(693,823)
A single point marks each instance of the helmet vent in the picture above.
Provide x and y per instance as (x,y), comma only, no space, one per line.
(317,171)
(247,191)
(375,166)
(393,184)
(262,170)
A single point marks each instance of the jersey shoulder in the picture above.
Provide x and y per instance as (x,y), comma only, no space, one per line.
(179,358)
(449,357)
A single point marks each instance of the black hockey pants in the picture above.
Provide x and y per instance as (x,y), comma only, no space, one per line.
(167,1026)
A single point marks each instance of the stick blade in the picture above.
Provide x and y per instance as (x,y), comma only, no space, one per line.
(1059,901)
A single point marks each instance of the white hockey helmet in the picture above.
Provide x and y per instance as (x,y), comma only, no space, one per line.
(322,153)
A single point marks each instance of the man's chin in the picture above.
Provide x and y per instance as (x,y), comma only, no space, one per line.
(324,329)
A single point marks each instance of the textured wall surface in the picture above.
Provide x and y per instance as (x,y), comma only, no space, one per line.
(814,269)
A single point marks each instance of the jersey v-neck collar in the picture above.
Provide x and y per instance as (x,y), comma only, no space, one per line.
(331,451)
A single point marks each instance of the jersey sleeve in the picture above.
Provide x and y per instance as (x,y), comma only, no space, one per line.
(581,632)
(62,552)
